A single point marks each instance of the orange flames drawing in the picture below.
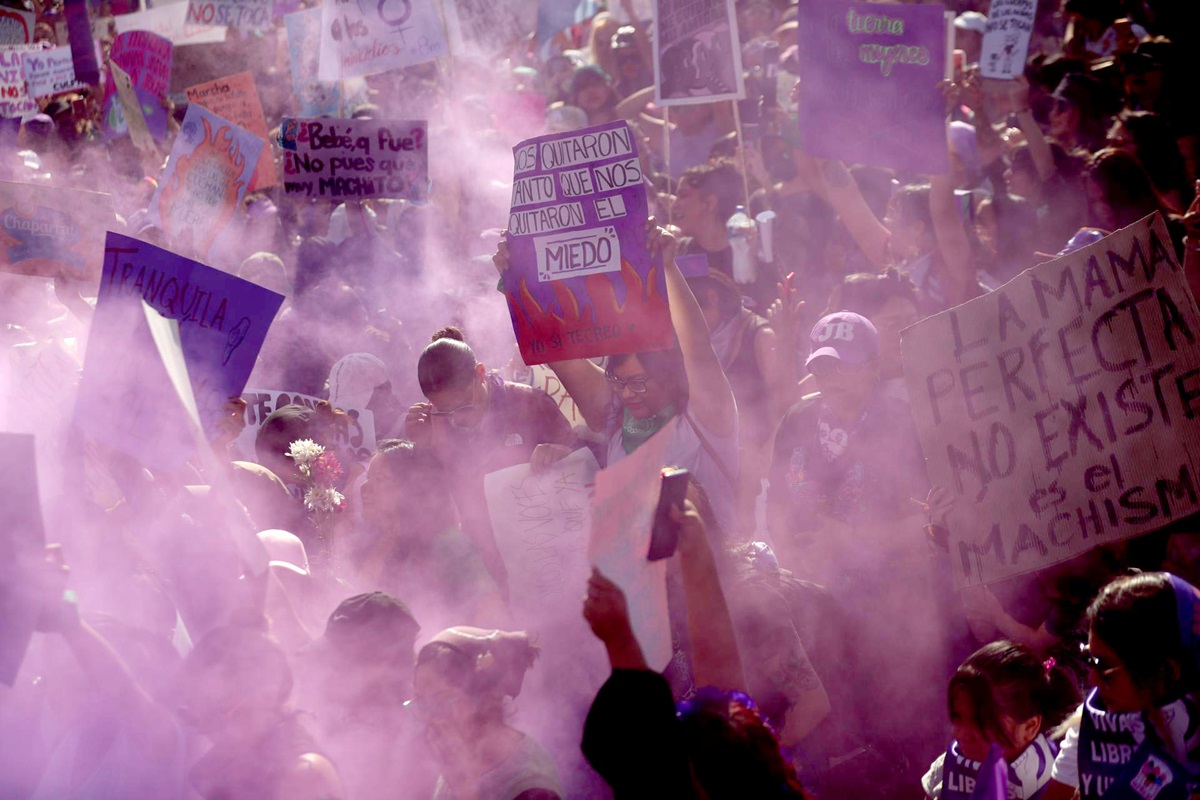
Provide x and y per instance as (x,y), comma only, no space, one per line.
(201,197)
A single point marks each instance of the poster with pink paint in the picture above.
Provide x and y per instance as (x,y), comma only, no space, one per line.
(869,75)
(146,57)
(355,158)
(16,27)
(235,98)
(205,181)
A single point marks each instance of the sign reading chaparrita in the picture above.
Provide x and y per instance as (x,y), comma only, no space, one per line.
(1063,409)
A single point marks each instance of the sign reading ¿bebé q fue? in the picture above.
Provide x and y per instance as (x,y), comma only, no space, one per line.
(355,158)
(581,281)
(1062,409)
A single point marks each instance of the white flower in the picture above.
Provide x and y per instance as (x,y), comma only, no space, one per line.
(323,499)
(303,452)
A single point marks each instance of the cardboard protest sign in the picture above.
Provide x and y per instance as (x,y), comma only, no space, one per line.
(131,109)
(314,97)
(1006,38)
(1062,408)
(22,540)
(358,438)
(15,101)
(235,98)
(16,27)
(480,26)
(146,58)
(697,56)
(170,22)
(360,39)
(869,89)
(581,282)
(541,524)
(49,72)
(52,232)
(242,15)
(355,158)
(544,378)
(126,399)
(205,180)
(622,518)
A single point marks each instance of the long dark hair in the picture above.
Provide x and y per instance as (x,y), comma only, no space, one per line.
(1005,679)
(1135,615)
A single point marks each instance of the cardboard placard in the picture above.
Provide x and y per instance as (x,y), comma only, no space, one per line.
(622,518)
(869,92)
(360,39)
(126,399)
(581,282)
(1062,409)
(355,158)
(205,180)
(242,15)
(53,232)
(541,523)
(359,438)
(697,56)
(235,98)
(1006,38)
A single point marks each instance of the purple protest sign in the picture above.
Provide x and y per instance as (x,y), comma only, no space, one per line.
(581,282)
(23,541)
(83,45)
(126,400)
(355,158)
(869,84)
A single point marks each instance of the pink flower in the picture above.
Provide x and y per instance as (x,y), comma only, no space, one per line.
(326,470)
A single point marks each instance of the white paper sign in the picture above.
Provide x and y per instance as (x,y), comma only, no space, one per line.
(362,38)
(49,72)
(1006,38)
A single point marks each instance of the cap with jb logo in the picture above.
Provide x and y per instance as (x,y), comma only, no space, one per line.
(846,336)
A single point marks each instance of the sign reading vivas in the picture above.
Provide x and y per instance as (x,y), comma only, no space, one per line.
(1062,409)
(869,77)
(581,282)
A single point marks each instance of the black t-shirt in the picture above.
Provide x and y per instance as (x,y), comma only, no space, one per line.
(860,473)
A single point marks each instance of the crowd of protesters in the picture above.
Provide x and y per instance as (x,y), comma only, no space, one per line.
(819,647)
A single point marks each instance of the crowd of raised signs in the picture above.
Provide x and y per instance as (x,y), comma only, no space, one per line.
(831,432)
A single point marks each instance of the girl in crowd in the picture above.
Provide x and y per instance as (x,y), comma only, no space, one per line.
(1138,733)
(1002,695)
(463,677)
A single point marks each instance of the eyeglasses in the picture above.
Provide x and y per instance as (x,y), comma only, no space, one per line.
(832,366)
(636,385)
(1100,667)
(464,407)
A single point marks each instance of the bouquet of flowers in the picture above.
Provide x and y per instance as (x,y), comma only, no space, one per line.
(321,471)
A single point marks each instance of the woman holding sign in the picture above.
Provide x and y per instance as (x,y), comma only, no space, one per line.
(639,393)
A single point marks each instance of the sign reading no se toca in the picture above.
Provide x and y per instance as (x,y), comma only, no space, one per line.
(1063,409)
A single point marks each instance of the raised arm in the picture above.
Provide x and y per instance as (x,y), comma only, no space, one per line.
(952,240)
(841,192)
(710,398)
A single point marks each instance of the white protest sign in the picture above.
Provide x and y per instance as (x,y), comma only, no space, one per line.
(1062,409)
(1006,38)
(170,22)
(49,72)
(697,56)
(358,438)
(544,378)
(487,26)
(360,39)
(622,518)
(15,101)
(541,524)
(242,15)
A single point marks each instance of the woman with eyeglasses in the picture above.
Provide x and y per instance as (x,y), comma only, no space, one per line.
(637,394)
(475,422)
(1138,732)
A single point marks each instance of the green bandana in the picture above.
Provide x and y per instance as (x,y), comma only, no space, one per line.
(636,431)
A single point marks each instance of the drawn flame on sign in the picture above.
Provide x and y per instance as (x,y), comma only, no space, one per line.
(201,197)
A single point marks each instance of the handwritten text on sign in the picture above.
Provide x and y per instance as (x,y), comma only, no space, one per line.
(354,158)
(49,72)
(235,98)
(362,38)
(357,438)
(1006,38)
(243,15)
(1063,409)
(541,522)
(581,282)
(870,93)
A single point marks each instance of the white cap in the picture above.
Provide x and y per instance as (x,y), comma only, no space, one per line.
(285,550)
(354,379)
(971,21)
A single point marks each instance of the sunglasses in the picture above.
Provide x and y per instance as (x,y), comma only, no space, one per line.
(637,385)
(831,366)
(1099,666)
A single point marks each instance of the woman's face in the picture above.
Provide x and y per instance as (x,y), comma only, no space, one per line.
(894,316)
(973,743)
(461,408)
(631,375)
(446,710)
(1063,119)
(1023,182)
(1110,676)
(592,96)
